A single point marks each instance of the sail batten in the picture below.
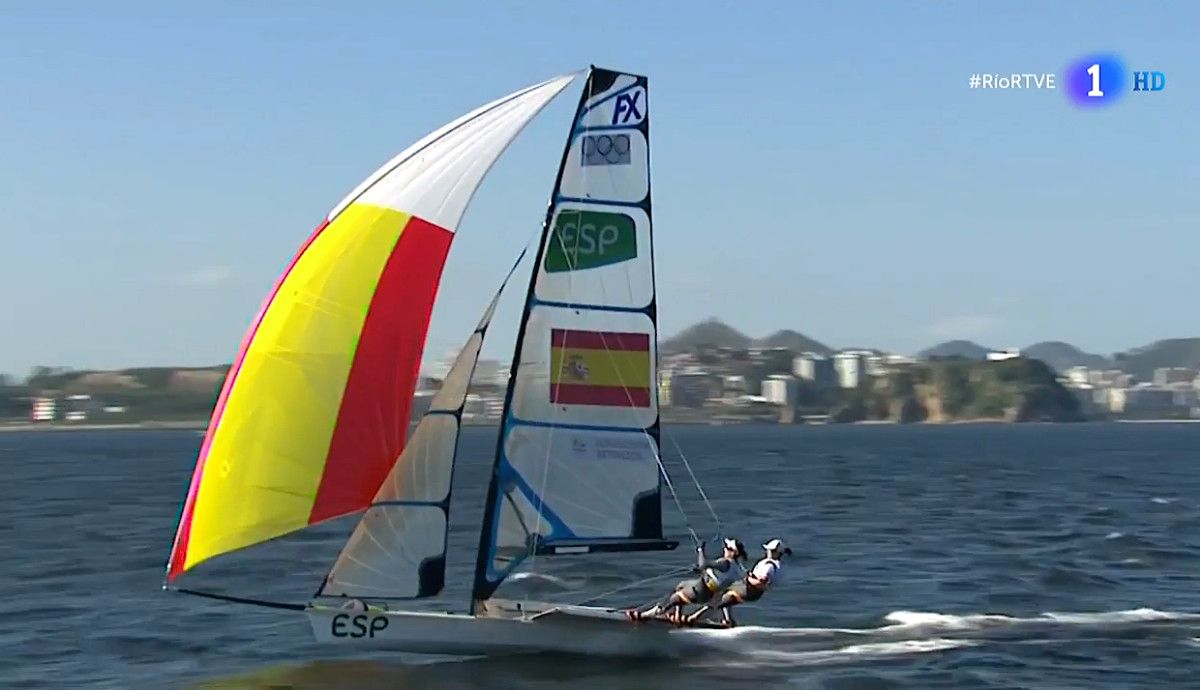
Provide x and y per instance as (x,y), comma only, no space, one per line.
(576,466)
(315,409)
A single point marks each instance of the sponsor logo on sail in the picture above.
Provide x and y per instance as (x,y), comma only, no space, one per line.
(605,149)
(579,446)
(590,239)
(628,107)
(625,447)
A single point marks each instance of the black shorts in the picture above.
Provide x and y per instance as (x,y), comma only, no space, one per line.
(695,591)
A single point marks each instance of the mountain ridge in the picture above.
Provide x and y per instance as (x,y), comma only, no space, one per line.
(713,332)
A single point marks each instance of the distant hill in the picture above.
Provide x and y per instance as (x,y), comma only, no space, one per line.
(955,348)
(709,333)
(797,342)
(1174,352)
(1062,356)
(138,394)
(716,333)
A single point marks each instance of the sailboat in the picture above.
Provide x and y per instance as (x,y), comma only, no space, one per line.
(311,423)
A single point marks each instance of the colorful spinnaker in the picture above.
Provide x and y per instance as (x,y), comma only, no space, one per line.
(314,411)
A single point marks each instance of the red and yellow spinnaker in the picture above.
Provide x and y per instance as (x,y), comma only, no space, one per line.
(315,410)
(316,407)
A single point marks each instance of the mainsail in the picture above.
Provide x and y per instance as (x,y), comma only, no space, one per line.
(577,467)
(315,408)
(398,548)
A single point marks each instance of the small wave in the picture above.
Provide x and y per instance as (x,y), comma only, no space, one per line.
(1142,615)
(1065,576)
(1163,501)
(917,621)
(1114,535)
(912,625)
(902,620)
(859,652)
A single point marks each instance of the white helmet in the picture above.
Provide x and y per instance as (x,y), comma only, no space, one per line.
(737,547)
(776,545)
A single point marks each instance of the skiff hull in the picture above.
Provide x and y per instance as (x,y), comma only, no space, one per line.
(499,631)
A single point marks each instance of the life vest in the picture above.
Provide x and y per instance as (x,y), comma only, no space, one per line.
(763,573)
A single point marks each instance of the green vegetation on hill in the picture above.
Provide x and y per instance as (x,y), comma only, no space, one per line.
(711,333)
(1016,390)
(955,348)
(157,393)
(796,342)
(1174,352)
(1062,356)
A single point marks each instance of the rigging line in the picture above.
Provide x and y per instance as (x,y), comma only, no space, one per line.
(239,600)
(629,397)
(670,573)
(650,441)
(581,111)
(699,489)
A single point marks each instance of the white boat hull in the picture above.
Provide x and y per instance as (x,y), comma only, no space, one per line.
(498,631)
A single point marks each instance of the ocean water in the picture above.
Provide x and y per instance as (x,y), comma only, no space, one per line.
(965,556)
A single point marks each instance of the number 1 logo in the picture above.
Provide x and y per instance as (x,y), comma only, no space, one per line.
(1095,81)
(1094,70)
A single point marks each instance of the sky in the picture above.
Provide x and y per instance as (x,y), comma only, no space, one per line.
(822,167)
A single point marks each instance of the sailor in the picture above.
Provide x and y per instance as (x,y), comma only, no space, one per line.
(751,587)
(715,575)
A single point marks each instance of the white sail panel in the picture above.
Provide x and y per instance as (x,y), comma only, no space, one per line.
(601,251)
(584,366)
(622,103)
(609,164)
(435,178)
(599,476)
(396,552)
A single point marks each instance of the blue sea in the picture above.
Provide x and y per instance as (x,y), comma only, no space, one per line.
(961,556)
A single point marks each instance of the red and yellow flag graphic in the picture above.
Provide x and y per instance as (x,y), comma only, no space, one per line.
(599,368)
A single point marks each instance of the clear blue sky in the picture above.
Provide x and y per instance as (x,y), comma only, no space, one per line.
(817,166)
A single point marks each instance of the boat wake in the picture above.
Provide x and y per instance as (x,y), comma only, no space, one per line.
(920,632)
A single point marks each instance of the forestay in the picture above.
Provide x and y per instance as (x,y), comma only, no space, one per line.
(315,409)
(576,467)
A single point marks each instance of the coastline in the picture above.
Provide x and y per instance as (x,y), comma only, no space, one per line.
(148,426)
(201,425)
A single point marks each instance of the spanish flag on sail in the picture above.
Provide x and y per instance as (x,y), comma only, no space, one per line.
(599,368)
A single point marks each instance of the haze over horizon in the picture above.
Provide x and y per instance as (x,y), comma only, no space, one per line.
(816,168)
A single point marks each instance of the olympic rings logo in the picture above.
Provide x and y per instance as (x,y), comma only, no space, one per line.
(606,149)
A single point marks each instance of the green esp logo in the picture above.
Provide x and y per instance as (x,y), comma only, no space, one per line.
(590,239)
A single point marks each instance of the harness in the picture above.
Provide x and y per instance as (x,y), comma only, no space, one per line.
(713,581)
(710,580)
(755,582)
